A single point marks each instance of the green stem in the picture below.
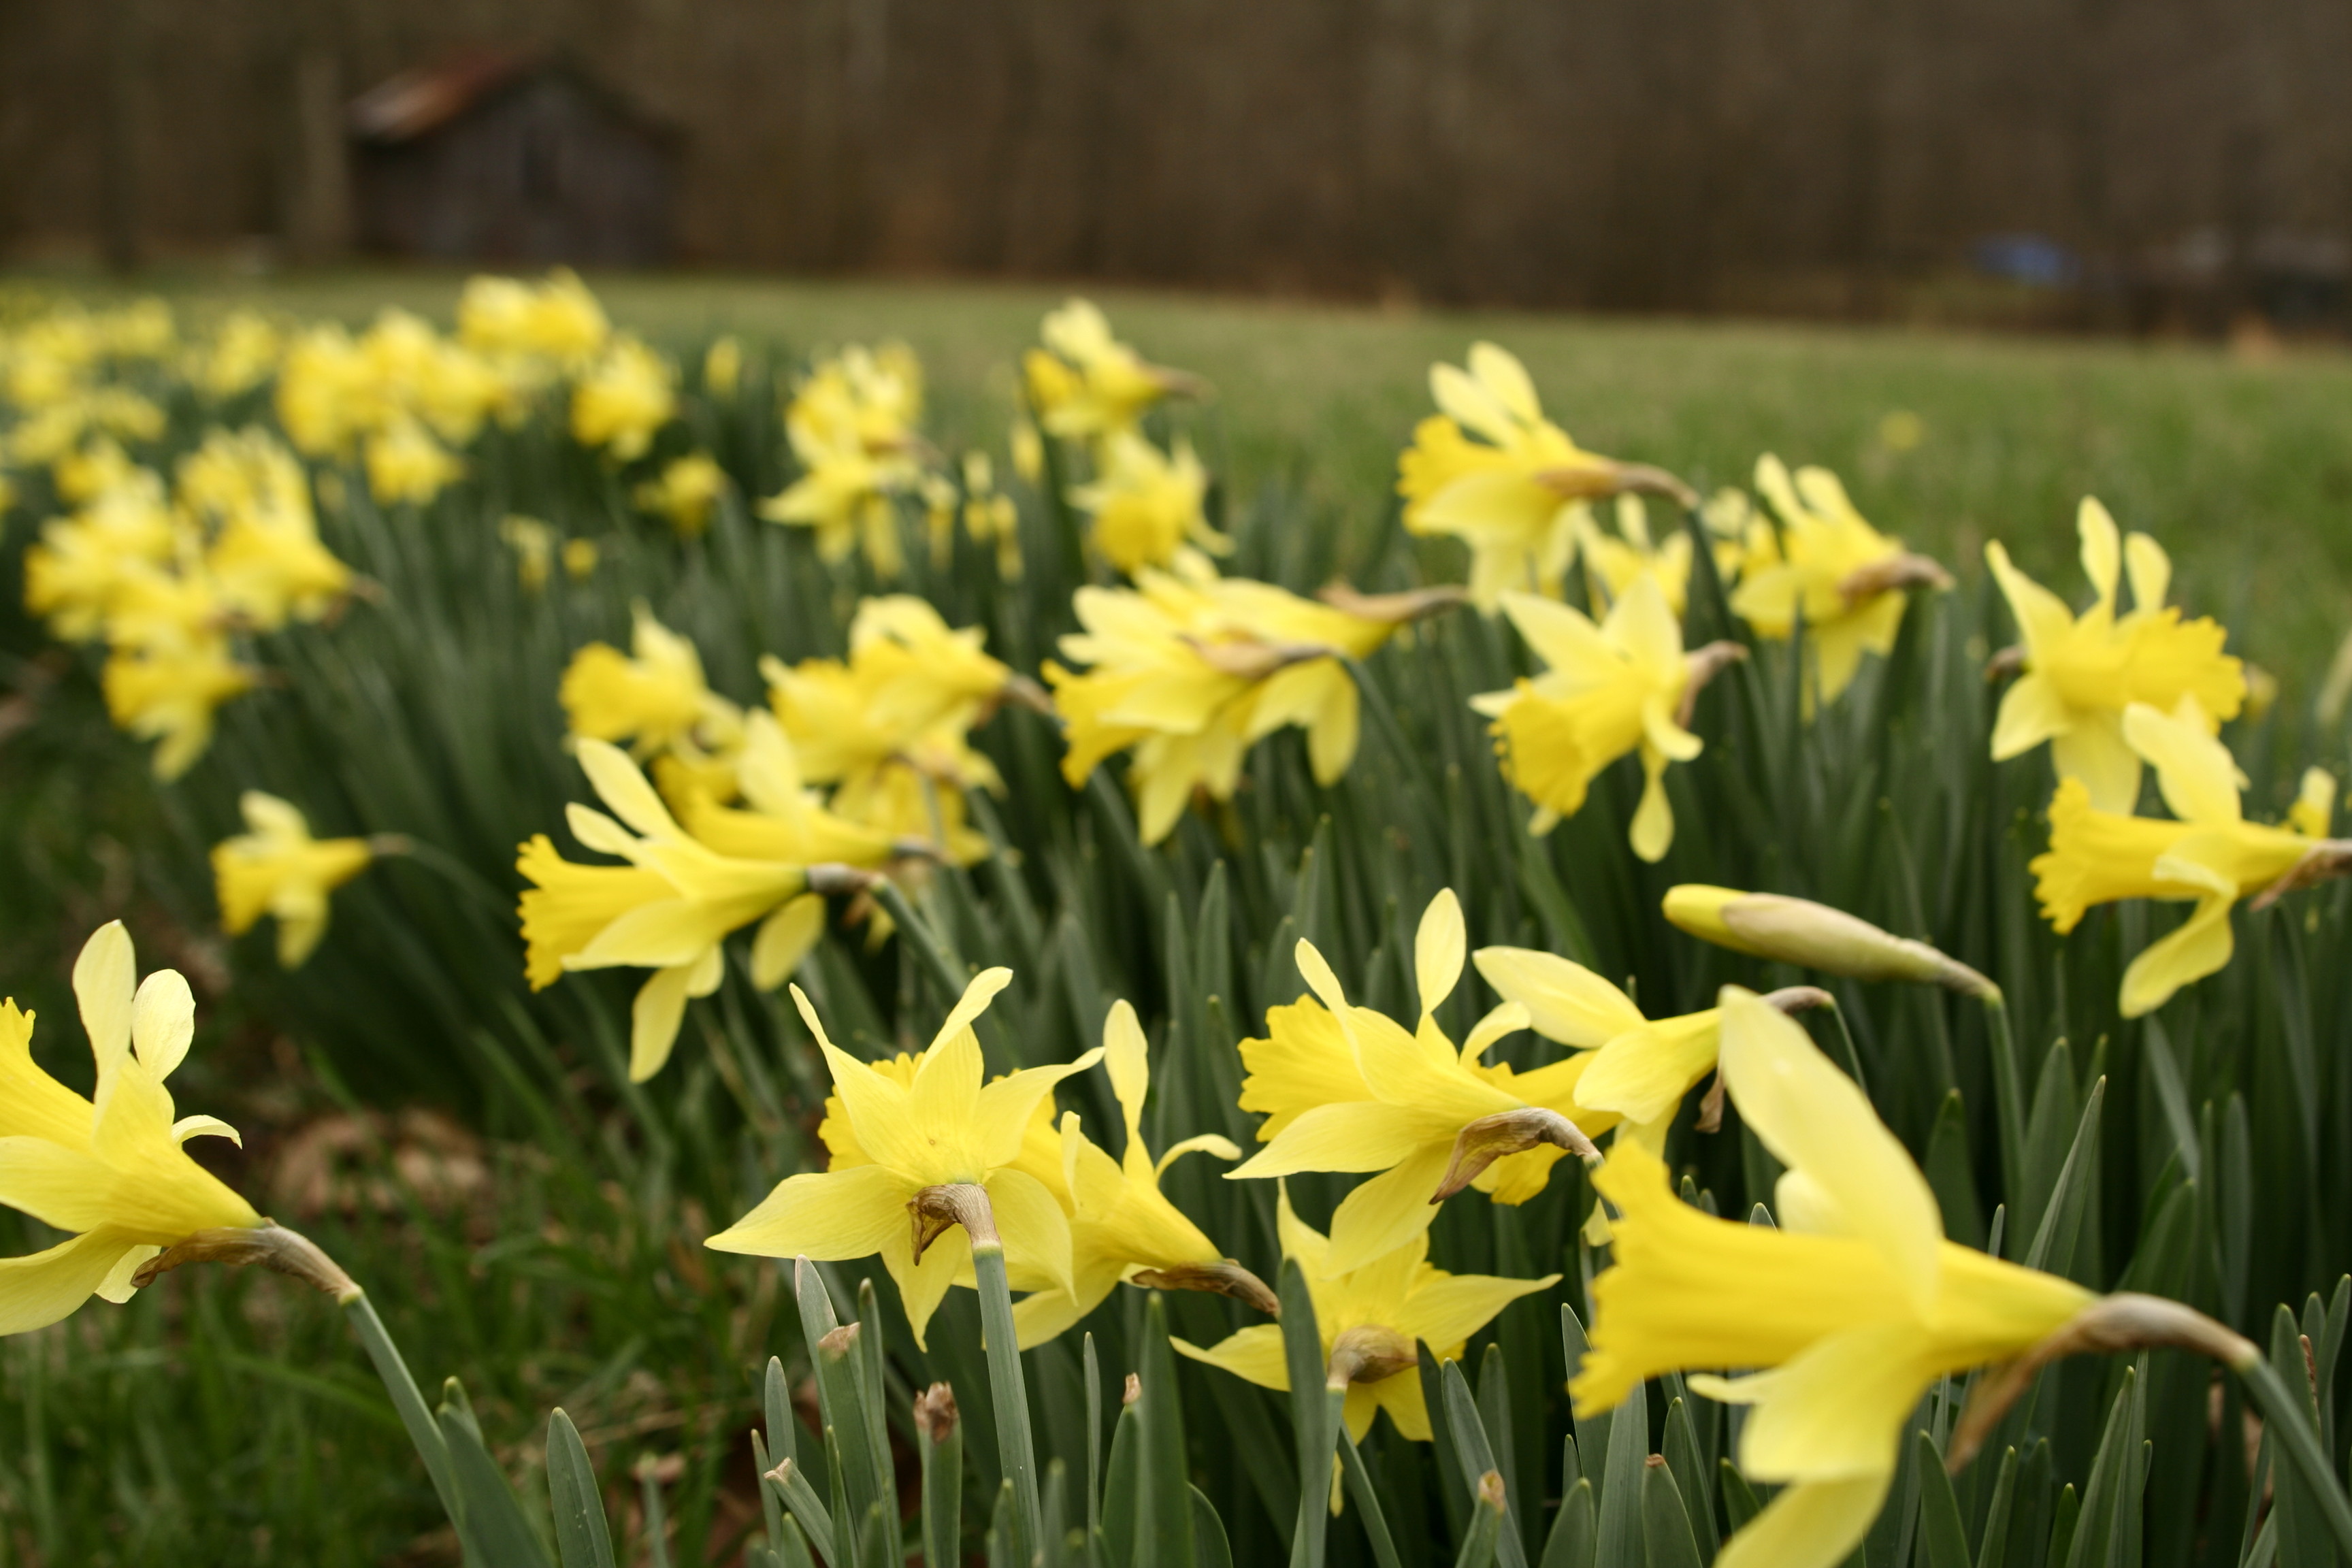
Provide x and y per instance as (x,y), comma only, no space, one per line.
(1853,1056)
(2288,1417)
(936,958)
(1009,1394)
(424,1430)
(2007,1091)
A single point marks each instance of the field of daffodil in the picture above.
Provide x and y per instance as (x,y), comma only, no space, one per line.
(820,993)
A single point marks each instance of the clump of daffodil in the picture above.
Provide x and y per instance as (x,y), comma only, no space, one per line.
(112,1169)
(264,555)
(852,426)
(405,464)
(667,909)
(623,399)
(686,493)
(888,727)
(167,687)
(654,697)
(556,322)
(912,1125)
(275,867)
(1190,672)
(1086,385)
(1847,581)
(1625,686)
(1815,936)
(1371,1315)
(85,563)
(2079,673)
(1122,1228)
(1146,504)
(1615,560)
(240,354)
(1511,492)
(1347,1089)
(2207,852)
(1847,1313)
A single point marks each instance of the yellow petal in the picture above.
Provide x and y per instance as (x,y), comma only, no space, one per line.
(2198,778)
(1254,1354)
(1346,1135)
(1506,1018)
(654,1019)
(2199,946)
(40,1289)
(2042,618)
(2032,711)
(1001,1115)
(1129,1062)
(60,1187)
(2150,570)
(1450,1308)
(784,939)
(1380,1216)
(1036,1232)
(1565,1001)
(2094,750)
(1401,1396)
(1652,831)
(162,1021)
(1817,1121)
(1561,636)
(1500,373)
(832,1215)
(1643,1074)
(1814,1524)
(619,785)
(104,976)
(1834,1411)
(1437,949)
(2102,548)
(1300,1241)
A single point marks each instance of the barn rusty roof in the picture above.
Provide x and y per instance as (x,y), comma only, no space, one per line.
(418,101)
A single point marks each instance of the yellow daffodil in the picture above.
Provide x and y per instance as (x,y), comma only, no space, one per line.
(1847,580)
(1191,674)
(1369,1316)
(1625,686)
(405,463)
(654,697)
(1736,533)
(1510,493)
(1121,1224)
(1087,386)
(2208,853)
(785,820)
(242,353)
(557,319)
(275,867)
(852,428)
(1146,505)
(533,543)
(1849,1311)
(112,1169)
(1347,1089)
(686,493)
(2081,672)
(989,515)
(931,1124)
(265,554)
(1615,560)
(629,393)
(668,909)
(83,564)
(168,691)
(722,365)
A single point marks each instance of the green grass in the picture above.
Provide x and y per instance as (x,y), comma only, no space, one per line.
(228,1418)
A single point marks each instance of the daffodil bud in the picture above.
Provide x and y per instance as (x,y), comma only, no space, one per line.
(1815,936)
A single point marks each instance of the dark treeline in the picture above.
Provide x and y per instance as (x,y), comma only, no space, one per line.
(1628,153)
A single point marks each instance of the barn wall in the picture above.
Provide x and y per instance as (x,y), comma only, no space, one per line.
(1639,152)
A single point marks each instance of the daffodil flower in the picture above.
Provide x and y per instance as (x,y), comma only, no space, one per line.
(1191,674)
(277,869)
(1370,1314)
(1850,1311)
(654,696)
(1347,1089)
(627,395)
(168,692)
(1511,494)
(111,1169)
(266,556)
(2209,854)
(786,821)
(852,428)
(1844,577)
(1146,504)
(668,909)
(2081,673)
(686,492)
(1122,1226)
(934,1125)
(1087,386)
(1623,686)
(83,564)
(1616,560)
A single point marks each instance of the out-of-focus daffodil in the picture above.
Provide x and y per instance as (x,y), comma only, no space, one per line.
(653,696)
(557,319)
(722,365)
(264,555)
(533,543)
(1371,1315)
(668,909)
(917,1124)
(1191,674)
(1347,1089)
(1736,533)
(1844,578)
(1087,386)
(112,1169)
(2208,853)
(1510,494)
(852,426)
(242,351)
(168,692)
(785,820)
(1850,1311)
(686,493)
(1621,687)
(989,515)
(2081,672)
(627,395)
(1121,1225)
(275,867)
(84,565)
(1146,504)
(405,463)
(1615,560)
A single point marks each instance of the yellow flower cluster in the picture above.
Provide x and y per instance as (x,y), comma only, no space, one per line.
(69,375)
(852,426)
(887,728)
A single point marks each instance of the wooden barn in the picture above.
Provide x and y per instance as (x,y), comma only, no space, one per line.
(513,159)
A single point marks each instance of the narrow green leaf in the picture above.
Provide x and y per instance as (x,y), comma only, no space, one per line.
(1693,1477)
(1621,1491)
(1366,1496)
(1314,1421)
(1475,1449)
(1666,1538)
(1123,1488)
(581,1539)
(1481,1541)
(1740,1504)
(1994,1552)
(490,1516)
(1165,1529)
(939,1439)
(1941,1533)
(1210,1548)
(1573,1532)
